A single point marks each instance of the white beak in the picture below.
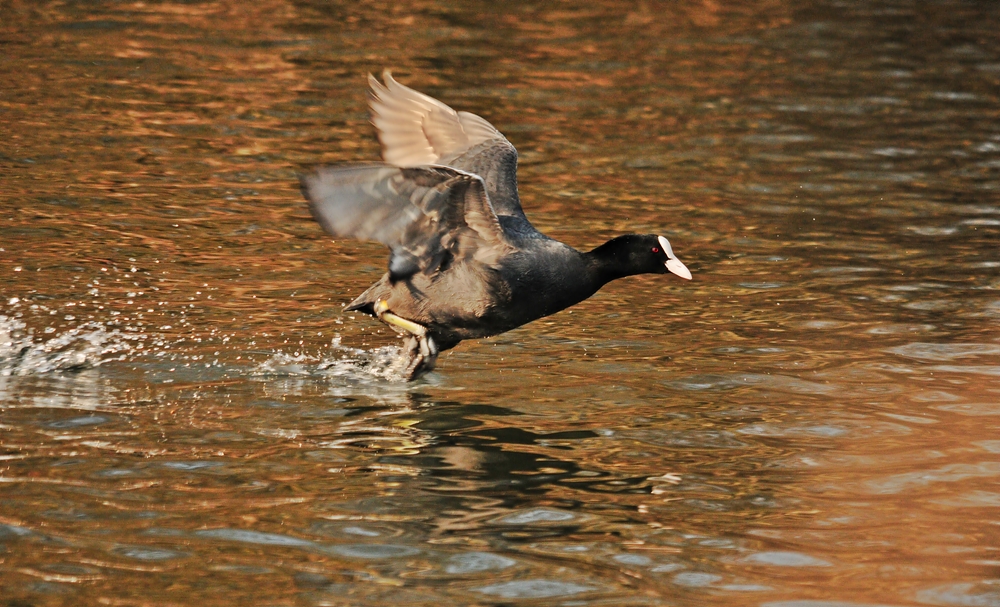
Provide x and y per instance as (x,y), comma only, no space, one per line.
(674,265)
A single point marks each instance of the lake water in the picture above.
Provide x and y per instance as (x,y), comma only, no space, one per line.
(188,417)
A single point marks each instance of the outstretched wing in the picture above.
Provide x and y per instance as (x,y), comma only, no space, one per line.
(428,216)
(417,130)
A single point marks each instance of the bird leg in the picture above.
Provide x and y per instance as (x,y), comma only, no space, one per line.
(419,350)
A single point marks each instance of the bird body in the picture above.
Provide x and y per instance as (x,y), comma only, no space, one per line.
(488,293)
(464,260)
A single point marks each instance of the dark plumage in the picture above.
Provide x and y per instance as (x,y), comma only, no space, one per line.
(464,261)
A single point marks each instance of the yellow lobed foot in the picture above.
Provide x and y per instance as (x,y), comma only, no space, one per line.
(383,313)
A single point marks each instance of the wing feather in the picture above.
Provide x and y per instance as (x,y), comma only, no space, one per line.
(425,215)
(417,130)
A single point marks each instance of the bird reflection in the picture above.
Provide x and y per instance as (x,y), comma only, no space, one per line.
(455,447)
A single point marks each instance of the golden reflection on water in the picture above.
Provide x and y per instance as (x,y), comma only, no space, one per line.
(187,416)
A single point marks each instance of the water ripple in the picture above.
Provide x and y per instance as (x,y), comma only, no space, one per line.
(253,537)
(945,352)
(533,589)
(785,559)
(946,474)
(476,562)
(961,595)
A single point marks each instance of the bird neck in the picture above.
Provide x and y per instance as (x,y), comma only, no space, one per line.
(611,261)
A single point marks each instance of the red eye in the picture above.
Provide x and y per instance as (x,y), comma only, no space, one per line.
(656,249)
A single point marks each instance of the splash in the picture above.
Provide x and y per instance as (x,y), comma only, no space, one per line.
(84,346)
(27,352)
(342,362)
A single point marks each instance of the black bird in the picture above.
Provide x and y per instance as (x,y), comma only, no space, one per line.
(464,261)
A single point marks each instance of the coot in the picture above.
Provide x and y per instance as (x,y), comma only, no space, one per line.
(464,261)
